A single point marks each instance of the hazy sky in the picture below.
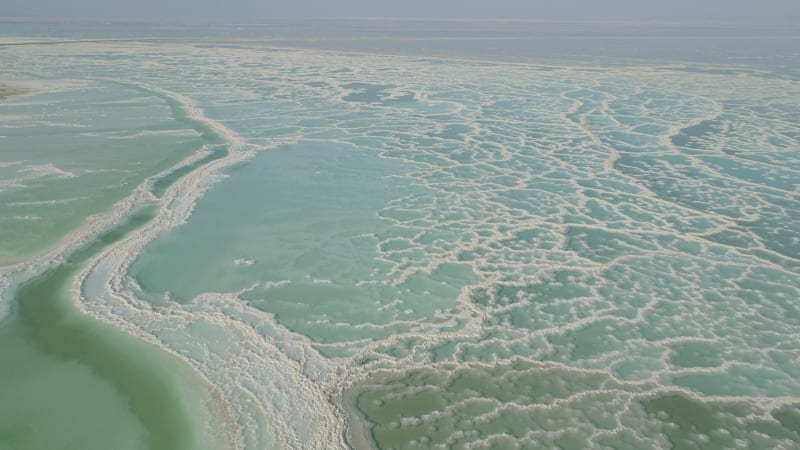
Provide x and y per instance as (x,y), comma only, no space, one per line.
(781,11)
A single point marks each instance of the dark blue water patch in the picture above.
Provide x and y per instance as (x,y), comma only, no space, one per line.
(764,175)
(793,135)
(675,181)
(689,136)
(367,92)
(778,231)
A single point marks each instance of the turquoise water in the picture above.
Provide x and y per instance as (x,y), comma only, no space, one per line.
(434,253)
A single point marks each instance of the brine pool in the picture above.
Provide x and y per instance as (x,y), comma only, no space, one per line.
(239,246)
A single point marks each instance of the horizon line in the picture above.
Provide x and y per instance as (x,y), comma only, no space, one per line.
(499,20)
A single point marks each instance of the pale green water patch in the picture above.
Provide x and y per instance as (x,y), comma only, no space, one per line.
(523,405)
(271,219)
(691,423)
(696,354)
(300,227)
(37,412)
(73,153)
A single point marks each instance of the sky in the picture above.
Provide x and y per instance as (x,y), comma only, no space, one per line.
(748,11)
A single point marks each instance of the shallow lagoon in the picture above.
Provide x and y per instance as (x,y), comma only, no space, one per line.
(74,149)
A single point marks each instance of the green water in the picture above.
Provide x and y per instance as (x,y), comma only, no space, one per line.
(73,152)
(569,258)
(466,255)
(334,193)
(115,389)
(70,381)
(38,413)
(520,405)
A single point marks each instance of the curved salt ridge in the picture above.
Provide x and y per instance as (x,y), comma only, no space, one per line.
(240,367)
(11,274)
(289,391)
